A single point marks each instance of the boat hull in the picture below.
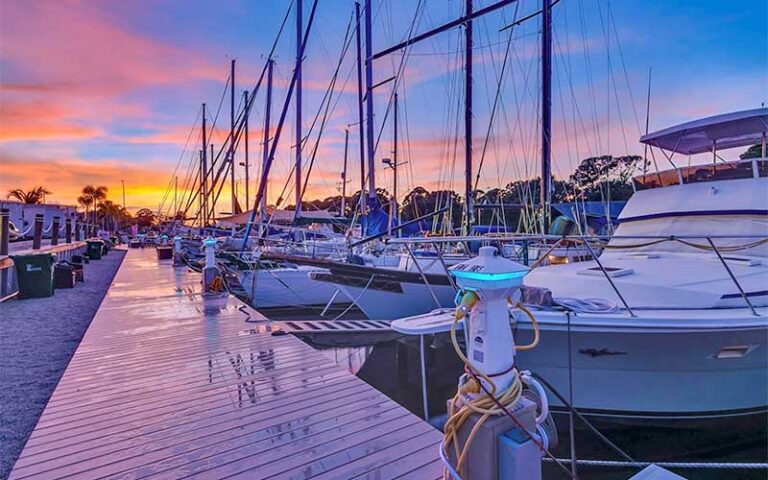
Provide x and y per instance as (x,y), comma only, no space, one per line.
(646,370)
(288,288)
(388,294)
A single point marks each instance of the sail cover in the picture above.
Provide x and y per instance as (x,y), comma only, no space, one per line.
(730,130)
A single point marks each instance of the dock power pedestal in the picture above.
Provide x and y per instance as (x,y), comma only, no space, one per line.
(493,430)
(209,271)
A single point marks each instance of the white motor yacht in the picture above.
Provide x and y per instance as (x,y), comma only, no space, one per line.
(671,321)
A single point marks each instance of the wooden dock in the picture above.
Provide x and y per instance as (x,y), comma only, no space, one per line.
(170,383)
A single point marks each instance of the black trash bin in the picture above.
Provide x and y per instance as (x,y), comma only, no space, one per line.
(64,275)
(34,274)
(164,252)
(78,261)
(95,249)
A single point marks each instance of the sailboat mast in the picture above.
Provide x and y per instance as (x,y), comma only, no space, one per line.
(232,137)
(469,208)
(344,174)
(395,207)
(369,103)
(265,158)
(299,55)
(212,207)
(360,117)
(247,112)
(546,114)
(204,175)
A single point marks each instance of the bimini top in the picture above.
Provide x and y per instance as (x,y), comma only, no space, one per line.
(729,130)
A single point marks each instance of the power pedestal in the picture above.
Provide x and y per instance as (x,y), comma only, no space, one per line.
(500,450)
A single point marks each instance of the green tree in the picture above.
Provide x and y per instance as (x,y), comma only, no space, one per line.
(755,151)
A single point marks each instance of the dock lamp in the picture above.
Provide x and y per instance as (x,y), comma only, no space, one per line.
(489,281)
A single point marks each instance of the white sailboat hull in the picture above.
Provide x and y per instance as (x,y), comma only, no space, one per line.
(413,299)
(288,287)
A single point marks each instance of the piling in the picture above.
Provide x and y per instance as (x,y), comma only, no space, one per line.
(68,230)
(55,231)
(37,239)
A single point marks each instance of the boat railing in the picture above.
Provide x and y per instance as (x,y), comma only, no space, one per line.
(591,242)
(708,172)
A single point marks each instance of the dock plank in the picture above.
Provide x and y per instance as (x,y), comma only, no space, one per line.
(171,383)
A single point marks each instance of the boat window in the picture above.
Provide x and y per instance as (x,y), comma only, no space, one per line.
(718,171)
(656,180)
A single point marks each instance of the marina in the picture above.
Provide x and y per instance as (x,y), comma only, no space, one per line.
(384,239)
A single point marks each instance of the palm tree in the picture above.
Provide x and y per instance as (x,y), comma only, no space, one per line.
(32,197)
(99,195)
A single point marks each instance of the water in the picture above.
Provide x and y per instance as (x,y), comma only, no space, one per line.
(392,367)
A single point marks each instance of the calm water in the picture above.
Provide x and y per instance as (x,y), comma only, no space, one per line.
(392,367)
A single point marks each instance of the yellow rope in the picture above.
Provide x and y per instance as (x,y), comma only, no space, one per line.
(471,397)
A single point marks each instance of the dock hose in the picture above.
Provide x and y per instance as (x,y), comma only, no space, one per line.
(472,397)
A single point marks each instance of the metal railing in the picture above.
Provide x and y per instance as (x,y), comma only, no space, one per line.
(602,242)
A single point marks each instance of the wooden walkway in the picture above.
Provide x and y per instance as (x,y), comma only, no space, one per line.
(169,383)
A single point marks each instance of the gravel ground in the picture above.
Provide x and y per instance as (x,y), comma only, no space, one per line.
(37,339)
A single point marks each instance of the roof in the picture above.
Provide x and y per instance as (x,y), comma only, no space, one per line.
(729,130)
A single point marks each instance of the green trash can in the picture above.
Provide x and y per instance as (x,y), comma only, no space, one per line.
(34,274)
(94,249)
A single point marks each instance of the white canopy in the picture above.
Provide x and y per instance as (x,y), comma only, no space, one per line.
(730,130)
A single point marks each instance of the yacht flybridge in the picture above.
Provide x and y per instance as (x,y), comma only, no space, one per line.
(671,320)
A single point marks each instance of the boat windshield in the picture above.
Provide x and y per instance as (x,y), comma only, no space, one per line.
(702,173)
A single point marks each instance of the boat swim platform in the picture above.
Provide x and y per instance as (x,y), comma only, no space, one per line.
(172,383)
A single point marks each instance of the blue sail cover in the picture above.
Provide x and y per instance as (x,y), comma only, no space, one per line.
(594,213)
(377,221)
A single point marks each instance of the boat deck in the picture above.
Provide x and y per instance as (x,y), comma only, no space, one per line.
(170,383)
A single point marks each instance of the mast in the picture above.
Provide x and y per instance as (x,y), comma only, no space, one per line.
(232,137)
(175,197)
(212,206)
(369,104)
(201,197)
(204,175)
(265,157)
(246,112)
(360,117)
(344,174)
(395,207)
(299,55)
(546,114)
(469,208)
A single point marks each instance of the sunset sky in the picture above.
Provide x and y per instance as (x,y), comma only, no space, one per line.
(103,91)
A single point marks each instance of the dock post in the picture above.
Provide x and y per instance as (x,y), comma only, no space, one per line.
(177,260)
(68,230)
(77,230)
(55,231)
(37,239)
(209,272)
(5,237)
